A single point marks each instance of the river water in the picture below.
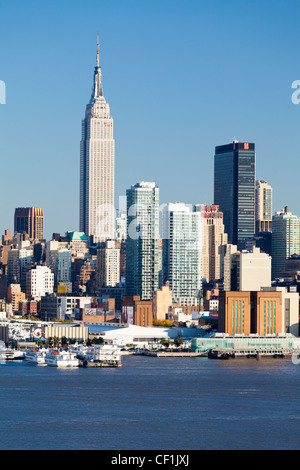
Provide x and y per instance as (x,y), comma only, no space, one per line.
(152,404)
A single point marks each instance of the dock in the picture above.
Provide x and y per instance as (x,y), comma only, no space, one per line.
(250,352)
(89,364)
(172,354)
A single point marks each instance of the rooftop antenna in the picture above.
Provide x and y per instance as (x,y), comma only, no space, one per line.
(98,60)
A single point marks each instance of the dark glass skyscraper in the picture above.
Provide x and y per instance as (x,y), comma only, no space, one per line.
(234,190)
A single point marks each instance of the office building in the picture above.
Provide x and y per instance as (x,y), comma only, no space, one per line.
(263,207)
(290,309)
(235,313)
(64,264)
(285,240)
(30,220)
(250,270)
(214,237)
(108,265)
(14,296)
(40,281)
(234,190)
(292,269)
(245,313)
(13,266)
(266,312)
(97,160)
(142,243)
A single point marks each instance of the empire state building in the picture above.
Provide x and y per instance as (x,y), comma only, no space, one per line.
(97,161)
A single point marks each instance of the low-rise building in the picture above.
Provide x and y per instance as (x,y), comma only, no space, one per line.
(136,311)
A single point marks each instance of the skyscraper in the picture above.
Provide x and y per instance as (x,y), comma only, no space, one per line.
(108,264)
(182,252)
(285,240)
(97,160)
(31,221)
(234,189)
(142,266)
(263,207)
(214,237)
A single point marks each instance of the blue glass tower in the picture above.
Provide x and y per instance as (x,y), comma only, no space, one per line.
(234,190)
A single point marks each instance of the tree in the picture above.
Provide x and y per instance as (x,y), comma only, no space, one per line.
(178,342)
(165,342)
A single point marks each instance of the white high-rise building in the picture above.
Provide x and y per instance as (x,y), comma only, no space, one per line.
(40,281)
(285,240)
(97,161)
(182,233)
(108,264)
(142,243)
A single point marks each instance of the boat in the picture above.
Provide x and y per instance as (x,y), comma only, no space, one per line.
(79,351)
(35,356)
(2,351)
(104,355)
(14,354)
(55,358)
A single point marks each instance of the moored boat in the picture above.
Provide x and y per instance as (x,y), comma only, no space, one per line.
(35,356)
(55,358)
(105,355)
(14,354)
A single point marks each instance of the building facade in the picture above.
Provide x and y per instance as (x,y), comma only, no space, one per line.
(142,243)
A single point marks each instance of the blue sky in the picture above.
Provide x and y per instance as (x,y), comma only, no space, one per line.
(180,76)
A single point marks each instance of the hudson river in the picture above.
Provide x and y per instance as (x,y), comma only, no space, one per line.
(152,404)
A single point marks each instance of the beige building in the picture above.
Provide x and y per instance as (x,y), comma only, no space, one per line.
(108,265)
(14,296)
(213,238)
(226,253)
(162,300)
(250,270)
(263,207)
(80,333)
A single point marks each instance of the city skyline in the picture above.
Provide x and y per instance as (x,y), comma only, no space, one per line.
(151,136)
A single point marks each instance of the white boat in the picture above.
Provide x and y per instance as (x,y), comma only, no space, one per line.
(2,351)
(108,354)
(79,351)
(14,354)
(35,356)
(56,358)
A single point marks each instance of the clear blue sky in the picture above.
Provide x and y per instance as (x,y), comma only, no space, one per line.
(180,76)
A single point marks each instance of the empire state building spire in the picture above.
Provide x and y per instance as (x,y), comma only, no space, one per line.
(98,89)
(98,60)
